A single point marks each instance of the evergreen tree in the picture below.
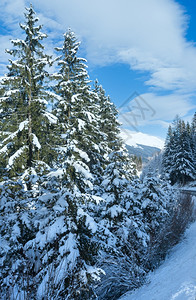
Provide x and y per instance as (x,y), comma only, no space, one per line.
(178,157)
(118,170)
(76,112)
(24,155)
(155,165)
(184,162)
(66,245)
(108,124)
(67,237)
(25,120)
(138,162)
(193,139)
(16,228)
(169,149)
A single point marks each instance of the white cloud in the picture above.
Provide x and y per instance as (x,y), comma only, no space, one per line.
(148,35)
(152,109)
(4,44)
(11,12)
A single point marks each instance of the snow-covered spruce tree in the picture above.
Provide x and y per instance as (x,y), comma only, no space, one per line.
(178,157)
(108,123)
(156,201)
(67,240)
(153,203)
(193,139)
(119,168)
(24,154)
(16,228)
(122,258)
(25,145)
(65,248)
(76,109)
(168,163)
(184,161)
(118,173)
(109,127)
(155,164)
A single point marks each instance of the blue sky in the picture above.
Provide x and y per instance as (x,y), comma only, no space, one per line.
(142,52)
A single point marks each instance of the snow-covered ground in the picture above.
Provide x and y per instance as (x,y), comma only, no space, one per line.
(175,279)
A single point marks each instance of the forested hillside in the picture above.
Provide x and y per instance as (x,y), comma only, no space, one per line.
(177,162)
(75,221)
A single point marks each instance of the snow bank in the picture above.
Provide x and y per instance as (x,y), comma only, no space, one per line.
(175,279)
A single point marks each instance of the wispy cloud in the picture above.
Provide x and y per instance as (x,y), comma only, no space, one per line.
(148,35)
(153,109)
(11,13)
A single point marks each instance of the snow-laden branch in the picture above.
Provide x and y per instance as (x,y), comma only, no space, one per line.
(16,155)
(35,141)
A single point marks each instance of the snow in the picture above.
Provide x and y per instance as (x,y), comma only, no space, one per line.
(11,136)
(9,93)
(16,155)
(80,168)
(41,101)
(57,173)
(51,118)
(97,199)
(22,125)
(95,272)
(89,222)
(175,279)
(90,116)
(81,124)
(74,98)
(70,260)
(4,149)
(135,139)
(53,95)
(115,210)
(52,231)
(36,141)
(145,203)
(83,154)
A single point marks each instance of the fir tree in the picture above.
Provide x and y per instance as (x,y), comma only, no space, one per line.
(76,112)
(178,157)
(23,104)
(168,162)
(184,161)
(67,237)
(193,139)
(16,229)
(24,155)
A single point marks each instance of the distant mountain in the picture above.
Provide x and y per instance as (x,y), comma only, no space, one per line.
(146,152)
(141,144)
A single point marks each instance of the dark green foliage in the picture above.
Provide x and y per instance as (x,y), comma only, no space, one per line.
(138,162)
(25,122)
(178,157)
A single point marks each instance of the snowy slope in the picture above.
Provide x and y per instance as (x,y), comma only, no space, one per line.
(175,279)
(136,139)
